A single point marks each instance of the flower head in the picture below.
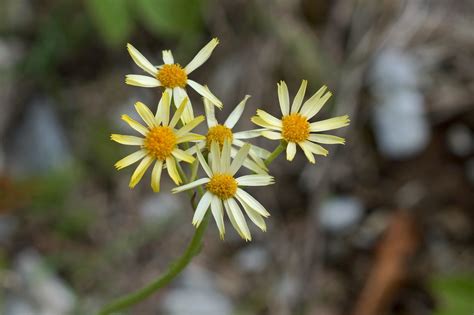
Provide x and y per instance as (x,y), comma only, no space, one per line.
(223,190)
(294,126)
(159,143)
(221,132)
(173,77)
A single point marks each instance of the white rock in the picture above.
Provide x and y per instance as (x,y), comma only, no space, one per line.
(393,70)
(196,294)
(400,125)
(252,258)
(39,144)
(160,208)
(11,53)
(185,301)
(18,306)
(49,293)
(460,140)
(340,213)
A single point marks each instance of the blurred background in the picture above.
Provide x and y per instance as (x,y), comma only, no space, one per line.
(384,225)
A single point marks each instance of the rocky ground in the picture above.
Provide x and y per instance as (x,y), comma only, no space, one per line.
(384,225)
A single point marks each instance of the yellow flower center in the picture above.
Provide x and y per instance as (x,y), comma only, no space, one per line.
(219,133)
(222,185)
(172,76)
(160,142)
(295,128)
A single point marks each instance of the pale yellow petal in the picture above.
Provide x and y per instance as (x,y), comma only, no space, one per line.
(330,124)
(326,139)
(127,140)
(156,175)
(298,100)
(236,113)
(189,126)
(168,57)
(146,114)
(182,156)
(173,170)
(141,80)
(141,61)
(290,151)
(202,56)
(135,125)
(140,171)
(130,159)
(307,152)
(284,98)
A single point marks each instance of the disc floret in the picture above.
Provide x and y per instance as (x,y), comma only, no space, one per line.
(222,185)
(219,133)
(172,75)
(160,142)
(295,128)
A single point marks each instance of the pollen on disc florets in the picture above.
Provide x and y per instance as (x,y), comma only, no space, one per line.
(295,128)
(160,142)
(171,76)
(219,133)
(222,185)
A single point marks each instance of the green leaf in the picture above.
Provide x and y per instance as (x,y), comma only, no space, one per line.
(170,17)
(455,294)
(112,19)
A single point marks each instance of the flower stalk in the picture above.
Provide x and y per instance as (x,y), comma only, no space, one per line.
(176,267)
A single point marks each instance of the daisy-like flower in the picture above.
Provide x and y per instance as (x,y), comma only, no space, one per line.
(173,77)
(222,132)
(294,126)
(223,191)
(159,143)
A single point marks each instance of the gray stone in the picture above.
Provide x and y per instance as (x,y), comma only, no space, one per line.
(11,52)
(39,144)
(196,294)
(47,292)
(459,139)
(18,306)
(400,125)
(339,213)
(160,208)
(393,70)
(252,258)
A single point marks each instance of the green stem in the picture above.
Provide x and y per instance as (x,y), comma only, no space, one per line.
(175,268)
(179,264)
(278,150)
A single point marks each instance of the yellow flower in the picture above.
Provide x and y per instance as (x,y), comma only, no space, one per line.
(159,143)
(221,132)
(294,126)
(223,190)
(173,77)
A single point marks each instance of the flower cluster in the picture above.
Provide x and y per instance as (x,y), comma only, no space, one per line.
(167,140)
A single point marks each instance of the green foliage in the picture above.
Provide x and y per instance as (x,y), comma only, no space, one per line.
(455,294)
(73,223)
(59,35)
(112,18)
(52,190)
(117,19)
(53,203)
(170,17)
